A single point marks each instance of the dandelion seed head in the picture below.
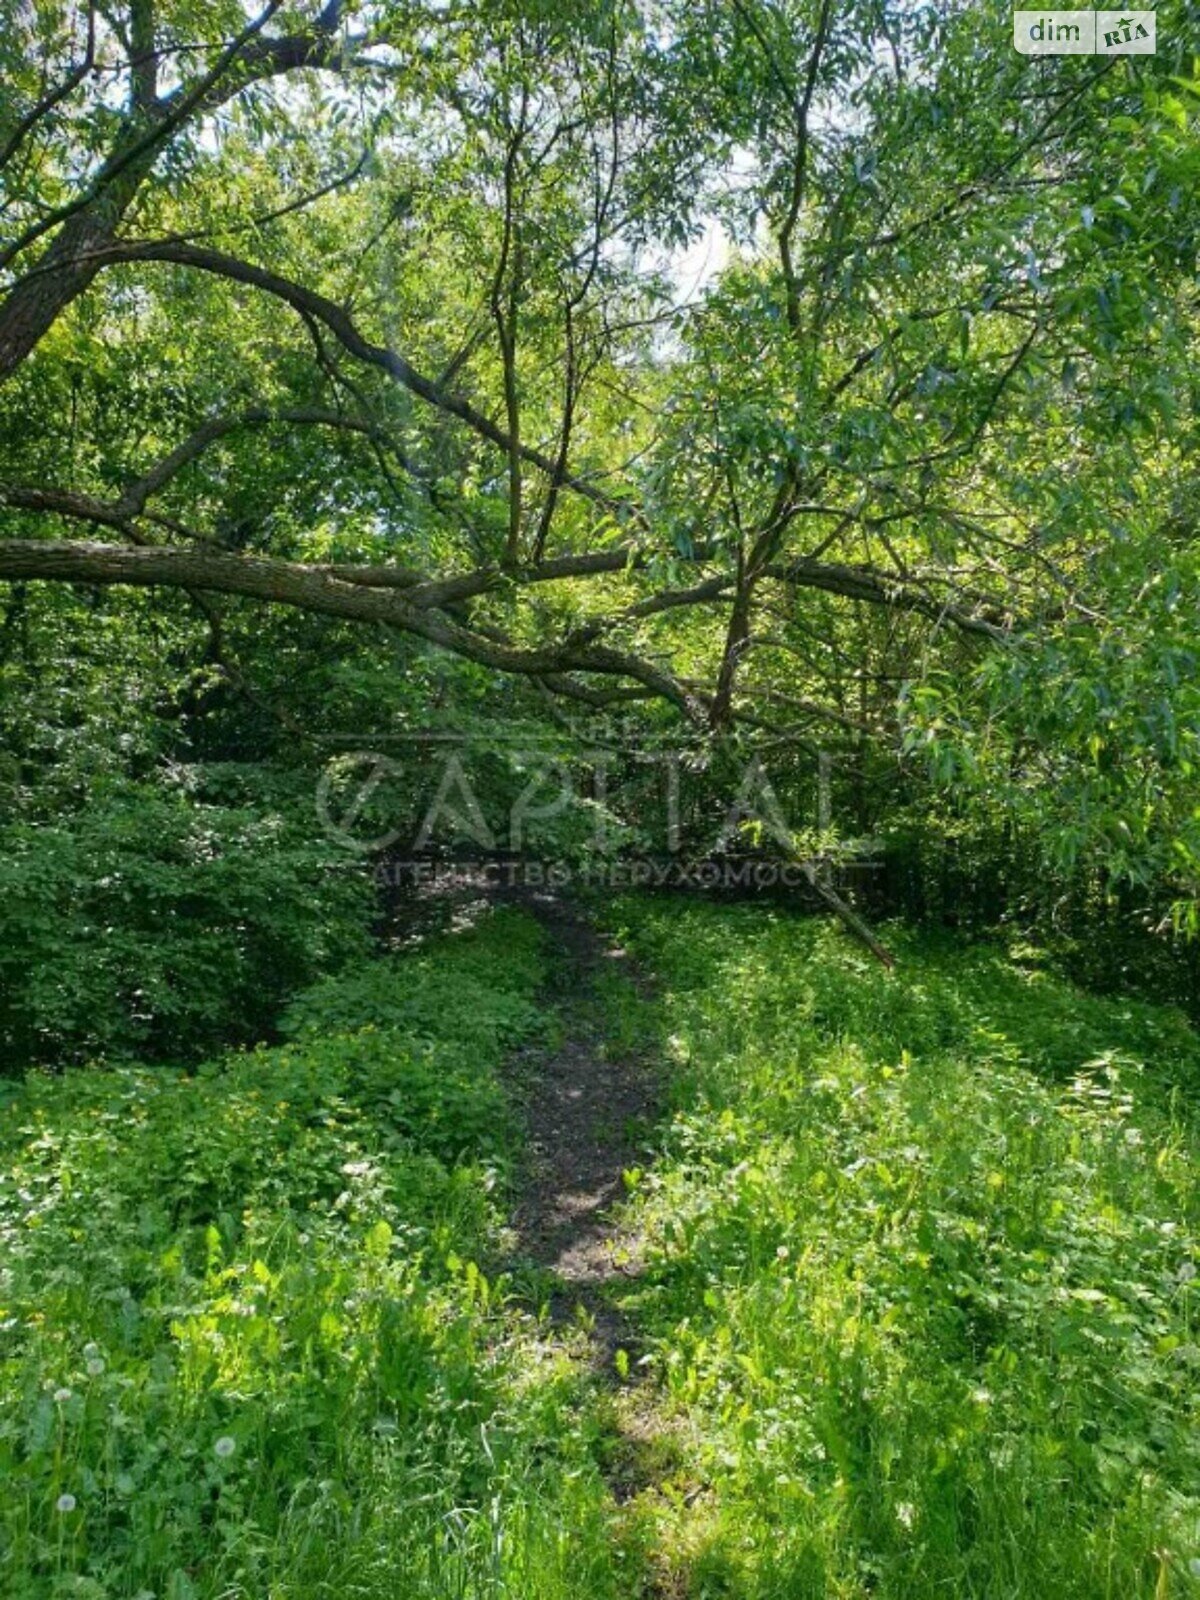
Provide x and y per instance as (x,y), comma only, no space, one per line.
(95,1367)
(62,1396)
(65,1502)
(225,1446)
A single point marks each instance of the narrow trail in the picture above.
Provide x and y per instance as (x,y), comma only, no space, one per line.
(590,1097)
(588,1111)
(591,1102)
(588,1108)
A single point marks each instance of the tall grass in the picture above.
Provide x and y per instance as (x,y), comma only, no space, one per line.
(919,1300)
(248,1341)
(923,1276)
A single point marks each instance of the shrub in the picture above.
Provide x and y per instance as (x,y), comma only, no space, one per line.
(150,925)
(471,991)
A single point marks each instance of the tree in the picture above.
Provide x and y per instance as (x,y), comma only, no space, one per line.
(389,296)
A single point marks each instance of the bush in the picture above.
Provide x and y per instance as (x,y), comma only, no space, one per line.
(151,925)
(472,991)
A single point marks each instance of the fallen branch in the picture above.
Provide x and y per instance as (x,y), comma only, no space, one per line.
(845,914)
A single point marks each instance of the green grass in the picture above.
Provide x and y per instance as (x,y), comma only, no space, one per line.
(922,1288)
(248,1344)
(919,1305)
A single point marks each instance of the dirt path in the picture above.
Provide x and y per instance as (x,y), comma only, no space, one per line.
(590,1101)
(588,1110)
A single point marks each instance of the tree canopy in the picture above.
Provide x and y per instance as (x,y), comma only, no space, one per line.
(806,370)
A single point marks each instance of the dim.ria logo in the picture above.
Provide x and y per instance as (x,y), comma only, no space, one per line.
(1084,33)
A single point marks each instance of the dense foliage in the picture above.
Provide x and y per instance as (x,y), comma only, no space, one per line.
(810,371)
(645,434)
(148,924)
(247,1345)
(923,1275)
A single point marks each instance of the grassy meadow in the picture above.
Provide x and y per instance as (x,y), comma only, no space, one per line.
(915,1313)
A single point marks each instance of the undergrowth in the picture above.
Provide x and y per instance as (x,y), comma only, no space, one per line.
(922,1270)
(917,1316)
(249,1343)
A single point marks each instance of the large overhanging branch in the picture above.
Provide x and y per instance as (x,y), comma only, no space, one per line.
(857,583)
(429,606)
(316,589)
(423,593)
